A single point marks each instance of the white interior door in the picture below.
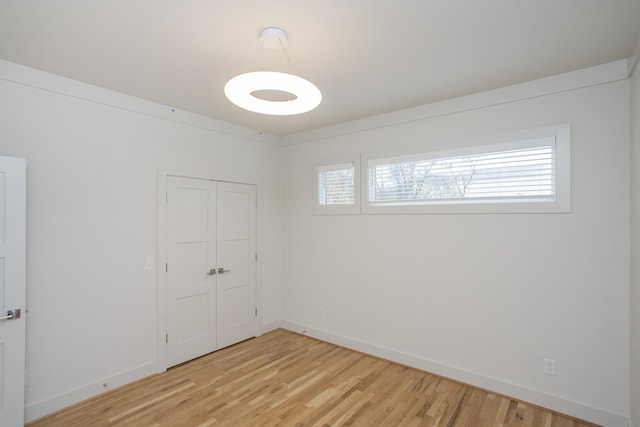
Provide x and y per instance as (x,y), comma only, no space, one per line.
(237,312)
(12,290)
(191,263)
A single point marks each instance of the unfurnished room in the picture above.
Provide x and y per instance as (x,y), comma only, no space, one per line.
(320,213)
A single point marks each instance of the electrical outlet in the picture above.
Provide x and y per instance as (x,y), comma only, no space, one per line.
(550,367)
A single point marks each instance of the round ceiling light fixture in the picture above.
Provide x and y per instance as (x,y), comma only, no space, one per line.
(300,95)
(240,90)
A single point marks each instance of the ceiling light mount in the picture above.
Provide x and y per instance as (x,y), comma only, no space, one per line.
(273,38)
(300,95)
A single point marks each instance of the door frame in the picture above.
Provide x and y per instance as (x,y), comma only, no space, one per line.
(161,256)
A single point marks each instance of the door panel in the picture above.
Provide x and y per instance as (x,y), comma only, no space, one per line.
(236,253)
(236,203)
(12,290)
(192,258)
(2,381)
(3,191)
(192,316)
(237,309)
(192,210)
(191,254)
(238,258)
(3,304)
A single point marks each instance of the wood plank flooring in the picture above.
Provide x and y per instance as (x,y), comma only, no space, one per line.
(286,379)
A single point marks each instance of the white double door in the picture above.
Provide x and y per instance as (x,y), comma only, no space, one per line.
(211,266)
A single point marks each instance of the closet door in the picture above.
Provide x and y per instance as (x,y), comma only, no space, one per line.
(237,309)
(191,264)
(211,266)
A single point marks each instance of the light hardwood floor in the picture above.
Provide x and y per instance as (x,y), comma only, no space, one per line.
(286,379)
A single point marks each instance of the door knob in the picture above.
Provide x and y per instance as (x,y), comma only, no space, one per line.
(211,272)
(222,270)
(12,314)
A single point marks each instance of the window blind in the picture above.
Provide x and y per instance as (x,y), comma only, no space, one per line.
(336,184)
(526,173)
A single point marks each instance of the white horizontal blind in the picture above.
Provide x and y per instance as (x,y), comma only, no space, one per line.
(522,172)
(336,185)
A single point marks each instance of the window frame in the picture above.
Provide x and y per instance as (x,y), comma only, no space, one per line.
(502,142)
(350,209)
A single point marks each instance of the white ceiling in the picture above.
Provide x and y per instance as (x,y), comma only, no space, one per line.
(366,56)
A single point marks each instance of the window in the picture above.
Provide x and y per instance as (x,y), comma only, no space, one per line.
(335,184)
(336,187)
(521,174)
(528,173)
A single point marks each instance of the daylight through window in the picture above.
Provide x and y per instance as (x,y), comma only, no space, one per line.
(336,184)
(525,173)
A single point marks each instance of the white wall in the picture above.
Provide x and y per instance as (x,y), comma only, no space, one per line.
(482,298)
(635,245)
(92,173)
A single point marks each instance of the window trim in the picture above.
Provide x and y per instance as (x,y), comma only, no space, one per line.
(502,142)
(353,209)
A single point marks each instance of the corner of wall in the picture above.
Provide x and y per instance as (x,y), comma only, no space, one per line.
(270,326)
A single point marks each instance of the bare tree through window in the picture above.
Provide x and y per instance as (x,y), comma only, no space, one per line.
(510,174)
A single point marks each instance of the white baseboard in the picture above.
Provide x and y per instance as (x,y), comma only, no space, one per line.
(44,407)
(599,416)
(555,403)
(47,406)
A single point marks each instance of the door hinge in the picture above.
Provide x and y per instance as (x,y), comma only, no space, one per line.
(166,338)
(256,257)
(166,268)
(256,312)
(167,196)
(256,201)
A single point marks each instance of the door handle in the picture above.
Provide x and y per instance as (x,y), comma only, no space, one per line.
(12,314)
(211,272)
(222,270)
